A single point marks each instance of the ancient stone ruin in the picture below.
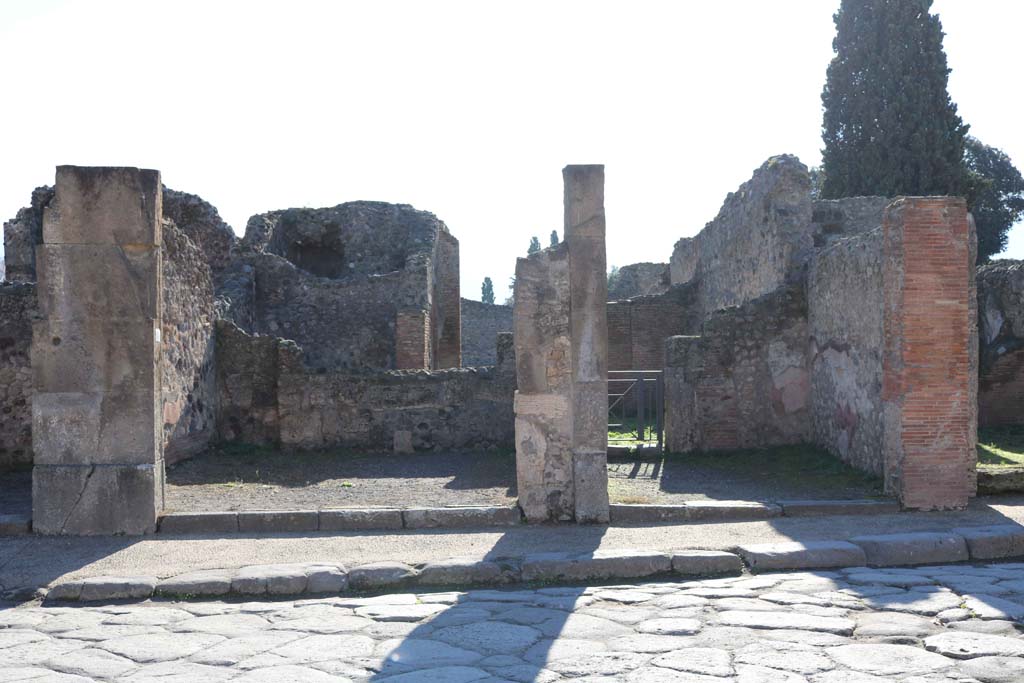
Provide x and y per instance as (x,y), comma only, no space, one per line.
(137,330)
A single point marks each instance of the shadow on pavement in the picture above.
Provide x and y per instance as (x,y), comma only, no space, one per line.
(482,627)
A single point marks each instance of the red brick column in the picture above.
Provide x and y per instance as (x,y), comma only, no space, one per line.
(929,383)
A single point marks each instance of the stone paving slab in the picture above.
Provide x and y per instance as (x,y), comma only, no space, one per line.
(812,626)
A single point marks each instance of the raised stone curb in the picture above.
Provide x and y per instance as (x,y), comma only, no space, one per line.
(810,555)
(15,525)
(359,520)
(706,563)
(807,508)
(598,565)
(279,521)
(987,543)
(1001,480)
(892,550)
(456,517)
(993,542)
(199,523)
(695,511)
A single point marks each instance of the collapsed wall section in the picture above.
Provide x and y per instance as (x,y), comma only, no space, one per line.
(1001,330)
(639,279)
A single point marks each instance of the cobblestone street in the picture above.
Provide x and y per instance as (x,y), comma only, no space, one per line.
(923,625)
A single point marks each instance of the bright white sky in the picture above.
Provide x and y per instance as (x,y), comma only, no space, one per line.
(465,109)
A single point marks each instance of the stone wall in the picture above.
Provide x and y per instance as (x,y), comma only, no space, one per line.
(17,312)
(481,325)
(189,380)
(638,327)
(744,381)
(21,235)
(268,395)
(845,314)
(639,279)
(202,224)
(1001,330)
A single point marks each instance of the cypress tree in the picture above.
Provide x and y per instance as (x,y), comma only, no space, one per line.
(890,127)
(534,246)
(487,291)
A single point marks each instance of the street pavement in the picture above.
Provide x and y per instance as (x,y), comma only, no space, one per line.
(922,625)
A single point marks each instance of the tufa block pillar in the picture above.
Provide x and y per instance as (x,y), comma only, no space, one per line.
(96,413)
(561,338)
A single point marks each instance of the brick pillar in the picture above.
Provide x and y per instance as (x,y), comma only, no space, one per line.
(447,303)
(584,231)
(561,350)
(412,340)
(96,418)
(929,383)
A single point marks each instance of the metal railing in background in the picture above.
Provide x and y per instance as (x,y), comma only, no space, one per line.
(636,408)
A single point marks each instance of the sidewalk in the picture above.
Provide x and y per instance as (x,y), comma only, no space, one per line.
(36,561)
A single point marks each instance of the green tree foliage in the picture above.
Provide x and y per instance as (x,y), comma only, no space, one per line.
(534,246)
(554,238)
(613,277)
(889,126)
(487,291)
(996,195)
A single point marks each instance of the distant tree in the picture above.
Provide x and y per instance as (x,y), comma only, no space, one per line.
(817,178)
(996,195)
(890,127)
(487,291)
(534,246)
(613,277)
(510,300)
(554,238)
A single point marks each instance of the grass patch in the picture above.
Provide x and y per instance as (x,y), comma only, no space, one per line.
(1001,446)
(626,433)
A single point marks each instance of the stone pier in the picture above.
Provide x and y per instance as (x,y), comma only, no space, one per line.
(95,354)
(561,339)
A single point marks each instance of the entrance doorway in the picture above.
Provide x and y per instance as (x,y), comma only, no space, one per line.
(636,409)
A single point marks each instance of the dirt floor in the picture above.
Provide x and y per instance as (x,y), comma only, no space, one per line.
(241,479)
(246,478)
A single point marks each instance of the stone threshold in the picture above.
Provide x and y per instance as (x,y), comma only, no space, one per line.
(982,543)
(477,516)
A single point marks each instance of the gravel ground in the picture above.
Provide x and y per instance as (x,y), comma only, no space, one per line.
(940,624)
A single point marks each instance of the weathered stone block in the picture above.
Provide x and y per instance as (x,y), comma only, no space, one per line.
(91,500)
(463,572)
(705,563)
(623,513)
(914,548)
(199,523)
(95,428)
(117,588)
(795,555)
(94,355)
(993,542)
(104,205)
(601,564)
(455,517)
(354,520)
(380,575)
(590,480)
(707,510)
(206,582)
(81,281)
(278,521)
